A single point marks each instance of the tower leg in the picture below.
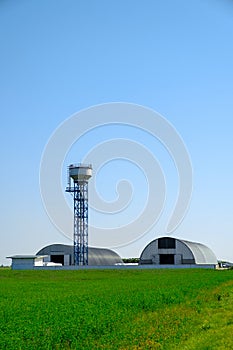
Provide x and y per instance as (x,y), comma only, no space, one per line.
(81,223)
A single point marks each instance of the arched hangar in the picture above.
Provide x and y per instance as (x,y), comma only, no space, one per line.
(64,254)
(173,251)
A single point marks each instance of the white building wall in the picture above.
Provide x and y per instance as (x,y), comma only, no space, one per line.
(184,251)
(38,262)
(178,259)
(181,253)
(22,264)
(66,260)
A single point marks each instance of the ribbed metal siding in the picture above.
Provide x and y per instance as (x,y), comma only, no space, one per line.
(96,256)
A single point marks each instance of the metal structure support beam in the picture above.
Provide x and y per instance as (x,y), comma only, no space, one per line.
(81,223)
(78,176)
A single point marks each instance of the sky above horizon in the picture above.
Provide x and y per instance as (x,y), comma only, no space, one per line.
(61,57)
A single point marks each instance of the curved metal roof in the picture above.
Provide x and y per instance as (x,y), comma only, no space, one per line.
(201,253)
(96,256)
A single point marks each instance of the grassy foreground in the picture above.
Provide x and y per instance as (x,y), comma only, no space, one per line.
(117,309)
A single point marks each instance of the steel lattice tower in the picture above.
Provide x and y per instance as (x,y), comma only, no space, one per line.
(78,176)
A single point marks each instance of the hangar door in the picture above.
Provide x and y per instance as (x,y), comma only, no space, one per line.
(166,259)
(57,259)
(64,259)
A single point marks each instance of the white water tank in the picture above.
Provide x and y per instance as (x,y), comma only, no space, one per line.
(80,172)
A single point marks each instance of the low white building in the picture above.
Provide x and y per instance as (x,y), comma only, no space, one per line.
(26,262)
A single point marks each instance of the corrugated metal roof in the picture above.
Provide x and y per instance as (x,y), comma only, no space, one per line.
(202,254)
(96,256)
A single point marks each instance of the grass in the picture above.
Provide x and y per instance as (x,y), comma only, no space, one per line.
(116,309)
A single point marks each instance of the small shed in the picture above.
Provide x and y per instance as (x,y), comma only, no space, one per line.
(26,262)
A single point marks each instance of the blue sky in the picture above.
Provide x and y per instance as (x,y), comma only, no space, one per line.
(59,57)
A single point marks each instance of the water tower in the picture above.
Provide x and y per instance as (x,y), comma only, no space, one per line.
(78,176)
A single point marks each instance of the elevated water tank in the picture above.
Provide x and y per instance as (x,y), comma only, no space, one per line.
(80,172)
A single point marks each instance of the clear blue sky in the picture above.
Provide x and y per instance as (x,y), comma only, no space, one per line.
(58,57)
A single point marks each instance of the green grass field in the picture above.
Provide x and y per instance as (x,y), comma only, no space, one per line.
(116,309)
